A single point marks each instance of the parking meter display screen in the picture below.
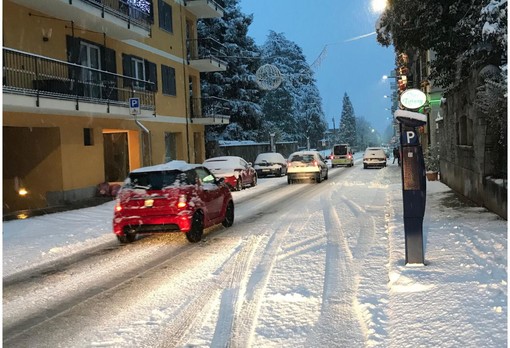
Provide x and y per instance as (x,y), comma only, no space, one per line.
(410,168)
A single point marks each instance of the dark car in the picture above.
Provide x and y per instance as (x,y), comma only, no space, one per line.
(270,163)
(235,170)
(171,197)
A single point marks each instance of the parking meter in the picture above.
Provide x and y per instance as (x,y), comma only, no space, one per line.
(413,184)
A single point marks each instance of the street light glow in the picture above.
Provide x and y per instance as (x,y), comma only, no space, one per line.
(378,6)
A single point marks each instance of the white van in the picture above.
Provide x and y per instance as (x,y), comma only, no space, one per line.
(341,155)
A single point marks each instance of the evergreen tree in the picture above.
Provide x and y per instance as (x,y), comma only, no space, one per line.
(456,30)
(347,129)
(237,85)
(303,117)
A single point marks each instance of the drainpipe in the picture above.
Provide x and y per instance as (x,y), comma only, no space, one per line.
(148,132)
(185,82)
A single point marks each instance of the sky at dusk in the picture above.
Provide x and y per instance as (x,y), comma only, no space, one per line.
(334,40)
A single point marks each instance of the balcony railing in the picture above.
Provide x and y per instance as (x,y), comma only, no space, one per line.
(33,75)
(138,12)
(206,49)
(210,110)
(205,8)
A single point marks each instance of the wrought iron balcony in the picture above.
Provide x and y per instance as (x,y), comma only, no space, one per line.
(204,55)
(121,19)
(204,8)
(43,77)
(210,111)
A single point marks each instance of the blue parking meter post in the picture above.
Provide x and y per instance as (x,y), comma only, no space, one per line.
(413,189)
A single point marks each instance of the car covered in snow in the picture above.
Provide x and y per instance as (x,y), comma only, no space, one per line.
(270,163)
(237,172)
(306,165)
(374,157)
(171,197)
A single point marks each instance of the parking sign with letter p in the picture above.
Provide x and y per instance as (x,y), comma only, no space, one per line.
(134,106)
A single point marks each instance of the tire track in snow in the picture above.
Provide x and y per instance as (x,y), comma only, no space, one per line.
(246,318)
(189,319)
(339,324)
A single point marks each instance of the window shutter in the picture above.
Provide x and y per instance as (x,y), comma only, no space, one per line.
(126,69)
(109,64)
(151,75)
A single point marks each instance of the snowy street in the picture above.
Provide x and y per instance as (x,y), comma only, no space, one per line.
(304,265)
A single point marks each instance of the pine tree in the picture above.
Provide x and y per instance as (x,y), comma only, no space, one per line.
(303,118)
(347,129)
(237,85)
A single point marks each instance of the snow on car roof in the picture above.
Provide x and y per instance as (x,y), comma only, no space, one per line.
(172,165)
(222,158)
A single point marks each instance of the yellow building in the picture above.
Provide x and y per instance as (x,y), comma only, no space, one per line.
(93,89)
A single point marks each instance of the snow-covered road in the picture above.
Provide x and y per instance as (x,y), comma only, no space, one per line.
(305,265)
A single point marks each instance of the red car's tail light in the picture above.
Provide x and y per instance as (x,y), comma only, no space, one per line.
(183,201)
(118,206)
(289,164)
(314,163)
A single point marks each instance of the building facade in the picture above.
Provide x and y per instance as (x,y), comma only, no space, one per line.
(459,130)
(93,89)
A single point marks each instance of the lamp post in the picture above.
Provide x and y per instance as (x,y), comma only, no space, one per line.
(273,148)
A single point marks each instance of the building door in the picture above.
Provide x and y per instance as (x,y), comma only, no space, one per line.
(90,58)
(116,156)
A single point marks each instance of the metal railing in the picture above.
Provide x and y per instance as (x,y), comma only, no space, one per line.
(214,4)
(206,48)
(210,107)
(30,74)
(138,12)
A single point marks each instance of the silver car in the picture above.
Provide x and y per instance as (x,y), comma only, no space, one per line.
(306,165)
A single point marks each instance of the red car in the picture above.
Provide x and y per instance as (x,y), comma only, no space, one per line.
(171,197)
(236,171)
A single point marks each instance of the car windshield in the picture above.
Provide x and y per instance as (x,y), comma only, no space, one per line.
(157,180)
(270,158)
(340,150)
(222,163)
(305,158)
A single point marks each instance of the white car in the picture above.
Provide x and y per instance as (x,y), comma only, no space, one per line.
(374,157)
(306,165)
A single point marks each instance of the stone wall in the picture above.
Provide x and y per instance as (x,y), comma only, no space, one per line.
(466,150)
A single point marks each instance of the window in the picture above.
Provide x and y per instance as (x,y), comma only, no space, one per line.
(141,69)
(165,16)
(88,137)
(170,147)
(168,76)
(138,71)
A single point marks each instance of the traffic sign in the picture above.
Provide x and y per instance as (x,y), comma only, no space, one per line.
(134,106)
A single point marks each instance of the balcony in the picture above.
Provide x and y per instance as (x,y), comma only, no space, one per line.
(34,83)
(210,111)
(204,55)
(119,19)
(204,8)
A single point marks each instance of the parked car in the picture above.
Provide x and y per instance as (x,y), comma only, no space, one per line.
(374,157)
(306,165)
(270,163)
(236,171)
(342,155)
(171,197)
